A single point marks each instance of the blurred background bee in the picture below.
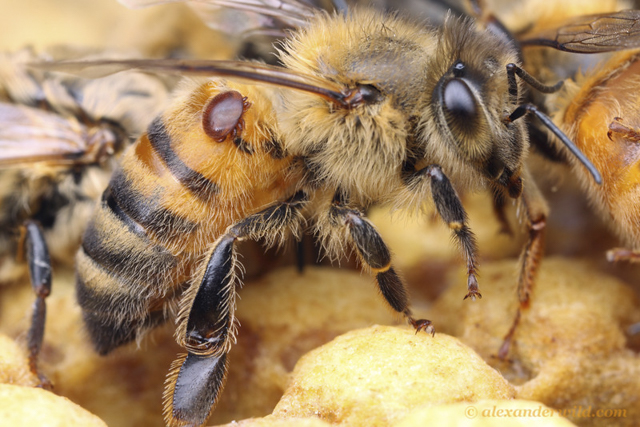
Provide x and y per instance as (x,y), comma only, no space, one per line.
(59,140)
(599,110)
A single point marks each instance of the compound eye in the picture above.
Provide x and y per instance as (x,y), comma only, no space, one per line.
(458,100)
(223,114)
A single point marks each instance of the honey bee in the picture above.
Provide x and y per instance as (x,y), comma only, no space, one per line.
(59,140)
(598,110)
(368,108)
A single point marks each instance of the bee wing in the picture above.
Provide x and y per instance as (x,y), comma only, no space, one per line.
(251,72)
(242,16)
(592,33)
(30,135)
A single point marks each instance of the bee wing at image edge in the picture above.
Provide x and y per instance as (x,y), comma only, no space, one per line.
(242,16)
(591,33)
(29,135)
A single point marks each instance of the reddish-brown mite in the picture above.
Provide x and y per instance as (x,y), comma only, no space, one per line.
(223,115)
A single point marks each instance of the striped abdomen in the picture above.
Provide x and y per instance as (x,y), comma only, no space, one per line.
(177,190)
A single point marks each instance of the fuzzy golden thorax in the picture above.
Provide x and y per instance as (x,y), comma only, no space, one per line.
(413,122)
(362,149)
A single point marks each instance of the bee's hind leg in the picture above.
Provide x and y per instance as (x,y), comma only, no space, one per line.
(33,244)
(206,319)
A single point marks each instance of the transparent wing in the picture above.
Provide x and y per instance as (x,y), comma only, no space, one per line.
(592,33)
(138,4)
(243,16)
(30,135)
(246,71)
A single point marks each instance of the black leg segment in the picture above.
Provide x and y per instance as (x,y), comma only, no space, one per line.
(206,321)
(197,387)
(453,214)
(40,274)
(375,255)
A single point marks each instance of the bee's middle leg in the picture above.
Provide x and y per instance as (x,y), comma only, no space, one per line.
(375,255)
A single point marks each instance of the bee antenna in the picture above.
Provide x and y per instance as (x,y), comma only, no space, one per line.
(513,70)
(546,120)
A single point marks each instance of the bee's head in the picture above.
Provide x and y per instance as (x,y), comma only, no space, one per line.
(470,99)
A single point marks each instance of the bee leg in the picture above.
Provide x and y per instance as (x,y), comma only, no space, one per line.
(453,214)
(33,243)
(623,255)
(616,127)
(627,132)
(375,255)
(535,211)
(206,319)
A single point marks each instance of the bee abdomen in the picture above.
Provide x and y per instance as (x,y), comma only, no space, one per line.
(160,141)
(147,211)
(123,276)
(120,246)
(108,334)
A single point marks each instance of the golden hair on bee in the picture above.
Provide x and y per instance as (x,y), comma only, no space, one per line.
(357,146)
(369,108)
(177,190)
(598,110)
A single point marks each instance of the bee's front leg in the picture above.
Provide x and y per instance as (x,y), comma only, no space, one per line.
(535,212)
(452,213)
(206,319)
(375,255)
(33,244)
